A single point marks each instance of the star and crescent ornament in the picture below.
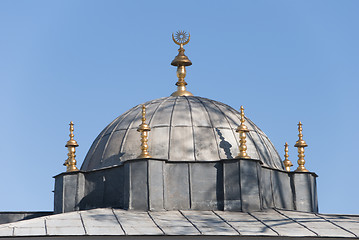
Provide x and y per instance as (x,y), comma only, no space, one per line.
(181,37)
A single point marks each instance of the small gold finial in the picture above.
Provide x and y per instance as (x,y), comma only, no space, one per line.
(144,129)
(181,38)
(71,145)
(301,144)
(287,162)
(242,129)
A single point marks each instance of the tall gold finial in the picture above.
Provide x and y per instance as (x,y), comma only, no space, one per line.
(71,145)
(242,130)
(144,129)
(287,162)
(301,144)
(181,38)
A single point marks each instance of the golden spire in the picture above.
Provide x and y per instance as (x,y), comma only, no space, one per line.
(287,162)
(181,38)
(242,129)
(71,145)
(144,129)
(301,144)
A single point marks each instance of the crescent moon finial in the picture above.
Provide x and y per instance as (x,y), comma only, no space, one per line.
(181,38)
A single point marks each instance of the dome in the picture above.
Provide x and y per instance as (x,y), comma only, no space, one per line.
(185,157)
(183,129)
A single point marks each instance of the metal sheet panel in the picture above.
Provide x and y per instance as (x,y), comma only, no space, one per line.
(317,224)
(274,157)
(216,116)
(204,186)
(136,223)
(199,113)
(70,187)
(176,186)
(249,185)
(266,188)
(233,116)
(246,224)
(139,185)
(181,144)
(101,222)
(96,159)
(231,184)
(30,227)
(59,194)
(282,190)
(158,142)
(181,115)
(114,185)
(251,147)
(209,223)
(261,149)
(162,117)
(174,223)
(111,154)
(112,126)
(6,231)
(281,224)
(228,146)
(303,194)
(205,145)
(127,121)
(65,224)
(350,223)
(230,116)
(87,161)
(132,149)
(150,109)
(94,190)
(155,185)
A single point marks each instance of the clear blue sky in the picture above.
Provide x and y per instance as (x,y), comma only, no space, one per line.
(90,61)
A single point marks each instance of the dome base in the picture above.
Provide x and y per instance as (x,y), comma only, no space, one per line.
(152,184)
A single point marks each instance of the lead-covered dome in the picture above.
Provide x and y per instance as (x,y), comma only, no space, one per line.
(184,128)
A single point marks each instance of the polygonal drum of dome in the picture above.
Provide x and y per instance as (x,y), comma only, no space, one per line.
(182,129)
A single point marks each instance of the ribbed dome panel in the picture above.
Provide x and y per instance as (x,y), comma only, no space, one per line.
(182,129)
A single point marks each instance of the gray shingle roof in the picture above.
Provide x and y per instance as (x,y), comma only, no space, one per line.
(117,222)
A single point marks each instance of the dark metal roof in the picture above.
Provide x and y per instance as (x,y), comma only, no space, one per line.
(116,222)
(183,129)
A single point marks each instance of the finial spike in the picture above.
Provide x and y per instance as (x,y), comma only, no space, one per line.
(242,130)
(143,114)
(287,163)
(71,130)
(301,144)
(181,38)
(71,145)
(144,129)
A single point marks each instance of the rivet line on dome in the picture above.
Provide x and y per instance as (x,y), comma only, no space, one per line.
(242,130)
(181,38)
(144,129)
(71,145)
(287,163)
(301,144)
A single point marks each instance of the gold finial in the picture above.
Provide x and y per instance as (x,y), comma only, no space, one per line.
(144,129)
(242,129)
(301,144)
(71,145)
(287,162)
(181,38)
